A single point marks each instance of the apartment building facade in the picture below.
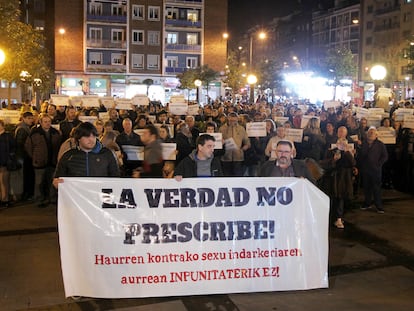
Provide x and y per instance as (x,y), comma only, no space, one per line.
(388,31)
(118,48)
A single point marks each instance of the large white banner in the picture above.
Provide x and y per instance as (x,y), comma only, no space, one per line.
(124,238)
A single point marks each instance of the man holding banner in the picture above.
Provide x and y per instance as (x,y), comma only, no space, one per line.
(91,158)
(285,165)
(201,162)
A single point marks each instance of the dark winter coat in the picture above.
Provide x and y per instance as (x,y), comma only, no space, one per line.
(300,169)
(337,181)
(188,167)
(100,162)
(7,146)
(42,151)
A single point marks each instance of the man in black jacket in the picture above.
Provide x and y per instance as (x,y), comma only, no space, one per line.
(89,159)
(371,157)
(201,162)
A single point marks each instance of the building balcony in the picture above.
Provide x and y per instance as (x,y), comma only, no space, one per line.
(105,44)
(387,27)
(182,23)
(106,68)
(387,10)
(185,1)
(107,18)
(183,47)
(174,69)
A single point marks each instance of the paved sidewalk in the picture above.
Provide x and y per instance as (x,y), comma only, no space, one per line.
(371,267)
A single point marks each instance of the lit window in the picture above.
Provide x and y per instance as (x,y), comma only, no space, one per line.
(192,39)
(172,38)
(192,16)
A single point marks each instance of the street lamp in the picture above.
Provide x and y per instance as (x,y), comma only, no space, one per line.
(197,84)
(251,80)
(262,35)
(378,72)
(2,57)
(26,79)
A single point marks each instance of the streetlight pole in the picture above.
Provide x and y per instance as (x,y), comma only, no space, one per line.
(197,84)
(261,36)
(251,80)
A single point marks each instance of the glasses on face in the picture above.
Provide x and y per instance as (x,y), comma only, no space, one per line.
(283,151)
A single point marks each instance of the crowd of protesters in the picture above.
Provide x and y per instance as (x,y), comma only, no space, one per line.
(336,144)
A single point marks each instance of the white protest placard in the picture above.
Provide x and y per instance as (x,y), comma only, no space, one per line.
(353,94)
(351,146)
(374,120)
(362,113)
(140,100)
(169,151)
(193,110)
(280,120)
(256,129)
(60,100)
(387,137)
(230,144)
(134,153)
(152,118)
(384,92)
(305,120)
(56,126)
(123,103)
(108,102)
(139,131)
(177,99)
(294,135)
(200,236)
(90,119)
(104,116)
(76,101)
(377,111)
(331,104)
(218,144)
(304,108)
(408,121)
(179,108)
(10,116)
(90,101)
(354,137)
(401,112)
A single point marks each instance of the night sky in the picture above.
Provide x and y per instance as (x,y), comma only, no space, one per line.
(244,14)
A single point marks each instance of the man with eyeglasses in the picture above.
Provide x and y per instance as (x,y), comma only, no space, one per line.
(285,165)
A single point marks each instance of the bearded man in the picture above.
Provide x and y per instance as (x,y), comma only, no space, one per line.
(285,165)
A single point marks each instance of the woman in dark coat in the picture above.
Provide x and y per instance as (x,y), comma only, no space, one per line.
(338,178)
